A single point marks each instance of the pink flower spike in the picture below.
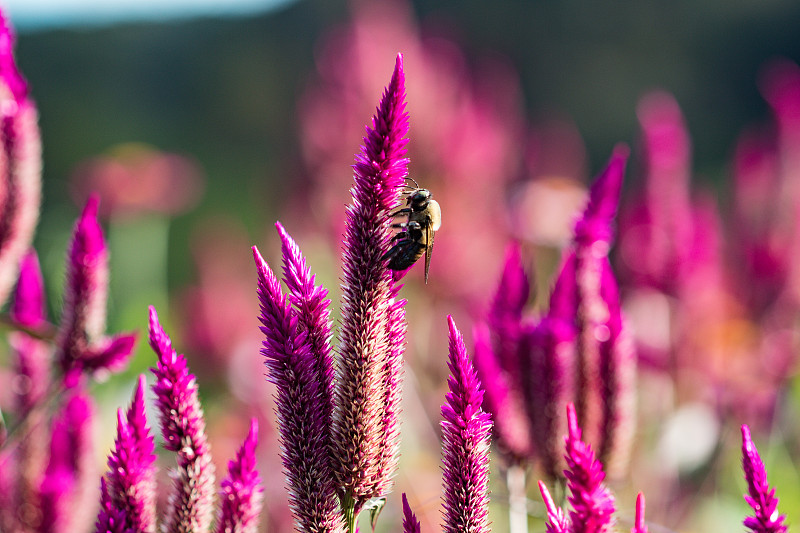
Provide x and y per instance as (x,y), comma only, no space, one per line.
(67,478)
(242,492)
(20,164)
(556,519)
(372,330)
(81,346)
(313,314)
(28,307)
(410,522)
(760,497)
(304,444)
(592,503)
(466,430)
(639,525)
(110,519)
(183,427)
(9,74)
(505,313)
(130,481)
(511,429)
(596,225)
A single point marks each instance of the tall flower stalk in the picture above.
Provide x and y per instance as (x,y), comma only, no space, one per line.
(20,163)
(305,449)
(372,324)
(191,502)
(241,494)
(465,444)
(129,487)
(765,517)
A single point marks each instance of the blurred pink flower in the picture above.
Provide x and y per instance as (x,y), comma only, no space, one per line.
(135,178)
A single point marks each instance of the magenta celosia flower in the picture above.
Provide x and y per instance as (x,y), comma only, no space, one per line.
(591,501)
(81,345)
(505,313)
(372,329)
(20,163)
(410,522)
(760,496)
(548,353)
(586,295)
(130,481)
(291,367)
(313,317)
(183,428)
(557,521)
(110,519)
(31,356)
(68,477)
(502,399)
(241,494)
(639,525)
(465,444)
(497,359)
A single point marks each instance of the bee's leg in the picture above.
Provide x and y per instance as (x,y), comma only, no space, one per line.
(403,211)
(394,250)
(401,235)
(402,225)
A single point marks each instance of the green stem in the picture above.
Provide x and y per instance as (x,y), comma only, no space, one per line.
(350,515)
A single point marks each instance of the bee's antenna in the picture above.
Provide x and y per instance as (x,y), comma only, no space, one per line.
(412,180)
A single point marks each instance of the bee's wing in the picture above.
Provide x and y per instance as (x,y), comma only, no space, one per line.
(428,248)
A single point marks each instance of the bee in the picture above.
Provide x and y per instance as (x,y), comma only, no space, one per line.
(423,219)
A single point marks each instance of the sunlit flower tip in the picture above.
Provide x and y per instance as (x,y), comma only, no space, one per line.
(592,503)
(639,525)
(410,522)
(131,476)
(28,306)
(183,428)
(241,494)
(596,224)
(303,437)
(557,521)
(465,444)
(760,497)
(510,429)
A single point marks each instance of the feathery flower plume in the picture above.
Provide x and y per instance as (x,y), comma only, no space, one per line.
(184,430)
(410,522)
(313,317)
(586,295)
(31,367)
(110,519)
(591,501)
(639,525)
(241,494)
(505,314)
(20,163)
(557,521)
(548,352)
(291,367)
(372,329)
(68,476)
(466,432)
(130,482)
(81,345)
(760,497)
(497,360)
(511,429)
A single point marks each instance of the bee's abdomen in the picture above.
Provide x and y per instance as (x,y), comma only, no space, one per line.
(404,254)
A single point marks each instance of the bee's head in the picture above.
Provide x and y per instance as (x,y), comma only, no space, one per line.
(418,200)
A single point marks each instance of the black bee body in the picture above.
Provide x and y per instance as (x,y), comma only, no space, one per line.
(424,217)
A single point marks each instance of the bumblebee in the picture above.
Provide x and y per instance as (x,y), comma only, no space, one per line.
(423,219)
